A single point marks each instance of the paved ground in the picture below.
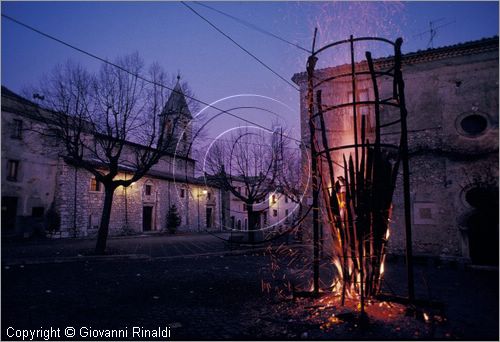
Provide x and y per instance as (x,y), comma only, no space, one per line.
(147,246)
(193,285)
(203,298)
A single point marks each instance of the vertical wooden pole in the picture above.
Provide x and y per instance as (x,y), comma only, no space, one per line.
(311,63)
(406,168)
(356,172)
(354,112)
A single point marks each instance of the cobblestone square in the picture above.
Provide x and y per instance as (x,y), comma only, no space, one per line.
(203,291)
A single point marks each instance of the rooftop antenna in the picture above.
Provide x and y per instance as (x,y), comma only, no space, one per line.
(433,30)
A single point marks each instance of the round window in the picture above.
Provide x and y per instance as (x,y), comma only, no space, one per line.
(472,124)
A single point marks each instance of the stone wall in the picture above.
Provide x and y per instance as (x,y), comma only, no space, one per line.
(128,204)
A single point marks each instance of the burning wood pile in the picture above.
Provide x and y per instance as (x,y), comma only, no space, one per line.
(353,181)
(359,213)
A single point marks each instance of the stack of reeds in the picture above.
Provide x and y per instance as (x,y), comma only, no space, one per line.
(358,206)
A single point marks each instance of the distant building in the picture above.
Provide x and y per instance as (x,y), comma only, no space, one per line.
(452,101)
(276,211)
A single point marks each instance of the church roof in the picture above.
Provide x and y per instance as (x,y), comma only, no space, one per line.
(421,56)
(177,103)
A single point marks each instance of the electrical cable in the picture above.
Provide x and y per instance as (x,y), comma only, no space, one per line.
(139,76)
(240,46)
(133,74)
(252,26)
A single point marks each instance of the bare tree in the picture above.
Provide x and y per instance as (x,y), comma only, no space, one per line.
(245,165)
(292,179)
(109,122)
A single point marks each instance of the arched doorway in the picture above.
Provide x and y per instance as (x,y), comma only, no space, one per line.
(482,224)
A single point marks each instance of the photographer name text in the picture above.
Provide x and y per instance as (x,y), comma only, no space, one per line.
(50,333)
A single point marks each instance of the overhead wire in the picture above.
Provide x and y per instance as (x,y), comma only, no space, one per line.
(240,46)
(103,60)
(134,74)
(252,26)
(246,143)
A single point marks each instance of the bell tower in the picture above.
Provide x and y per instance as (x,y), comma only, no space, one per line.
(177,118)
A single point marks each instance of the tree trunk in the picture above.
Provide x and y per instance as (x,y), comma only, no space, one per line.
(252,222)
(102,235)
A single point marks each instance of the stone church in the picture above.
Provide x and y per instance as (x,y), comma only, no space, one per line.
(36,178)
(452,102)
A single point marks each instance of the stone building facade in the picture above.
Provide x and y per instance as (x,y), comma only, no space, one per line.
(36,177)
(452,102)
(29,169)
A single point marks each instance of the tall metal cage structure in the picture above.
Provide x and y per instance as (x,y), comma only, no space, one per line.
(367,176)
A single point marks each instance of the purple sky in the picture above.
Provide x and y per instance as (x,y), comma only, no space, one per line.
(167,32)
